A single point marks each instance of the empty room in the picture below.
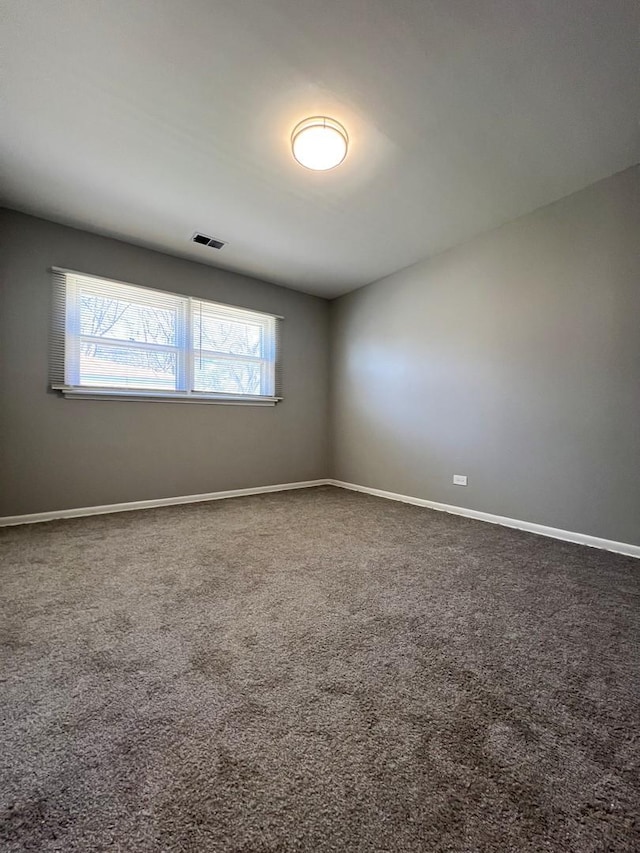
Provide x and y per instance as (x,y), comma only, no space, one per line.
(320,426)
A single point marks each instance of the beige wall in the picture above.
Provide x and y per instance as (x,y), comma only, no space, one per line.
(57,453)
(514,359)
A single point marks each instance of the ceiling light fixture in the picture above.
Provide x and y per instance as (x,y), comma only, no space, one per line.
(319,143)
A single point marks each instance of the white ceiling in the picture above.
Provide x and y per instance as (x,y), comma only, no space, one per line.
(150,120)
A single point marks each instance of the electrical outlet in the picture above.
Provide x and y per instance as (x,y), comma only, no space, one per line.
(459,479)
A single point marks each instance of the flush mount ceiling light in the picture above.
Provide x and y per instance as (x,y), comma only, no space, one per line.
(319,143)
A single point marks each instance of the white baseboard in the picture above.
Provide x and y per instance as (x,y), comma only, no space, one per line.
(35,517)
(553,532)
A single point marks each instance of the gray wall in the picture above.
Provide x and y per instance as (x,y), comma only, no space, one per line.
(514,359)
(57,453)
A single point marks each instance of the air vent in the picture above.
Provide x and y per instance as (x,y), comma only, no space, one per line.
(204,240)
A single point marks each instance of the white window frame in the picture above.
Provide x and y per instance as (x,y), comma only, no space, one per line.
(66,340)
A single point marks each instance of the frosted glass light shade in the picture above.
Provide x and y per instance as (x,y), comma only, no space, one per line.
(319,143)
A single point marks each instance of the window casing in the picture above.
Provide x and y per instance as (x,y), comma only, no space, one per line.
(111,339)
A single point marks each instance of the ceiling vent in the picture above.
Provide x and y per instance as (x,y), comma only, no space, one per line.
(204,240)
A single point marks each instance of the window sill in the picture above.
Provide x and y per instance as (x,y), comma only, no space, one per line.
(73,393)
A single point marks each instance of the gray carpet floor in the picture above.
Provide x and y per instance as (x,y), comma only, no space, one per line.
(315,671)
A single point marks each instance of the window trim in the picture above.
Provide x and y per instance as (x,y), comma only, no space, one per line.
(62,313)
(76,392)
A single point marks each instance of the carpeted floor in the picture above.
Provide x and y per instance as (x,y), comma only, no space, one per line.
(315,671)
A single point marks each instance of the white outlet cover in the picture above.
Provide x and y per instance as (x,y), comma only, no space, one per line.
(459,479)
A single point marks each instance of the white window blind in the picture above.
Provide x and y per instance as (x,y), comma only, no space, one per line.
(114,339)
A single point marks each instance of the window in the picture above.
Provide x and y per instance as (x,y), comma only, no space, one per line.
(118,340)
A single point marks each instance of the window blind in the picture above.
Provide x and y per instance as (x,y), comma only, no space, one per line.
(111,338)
